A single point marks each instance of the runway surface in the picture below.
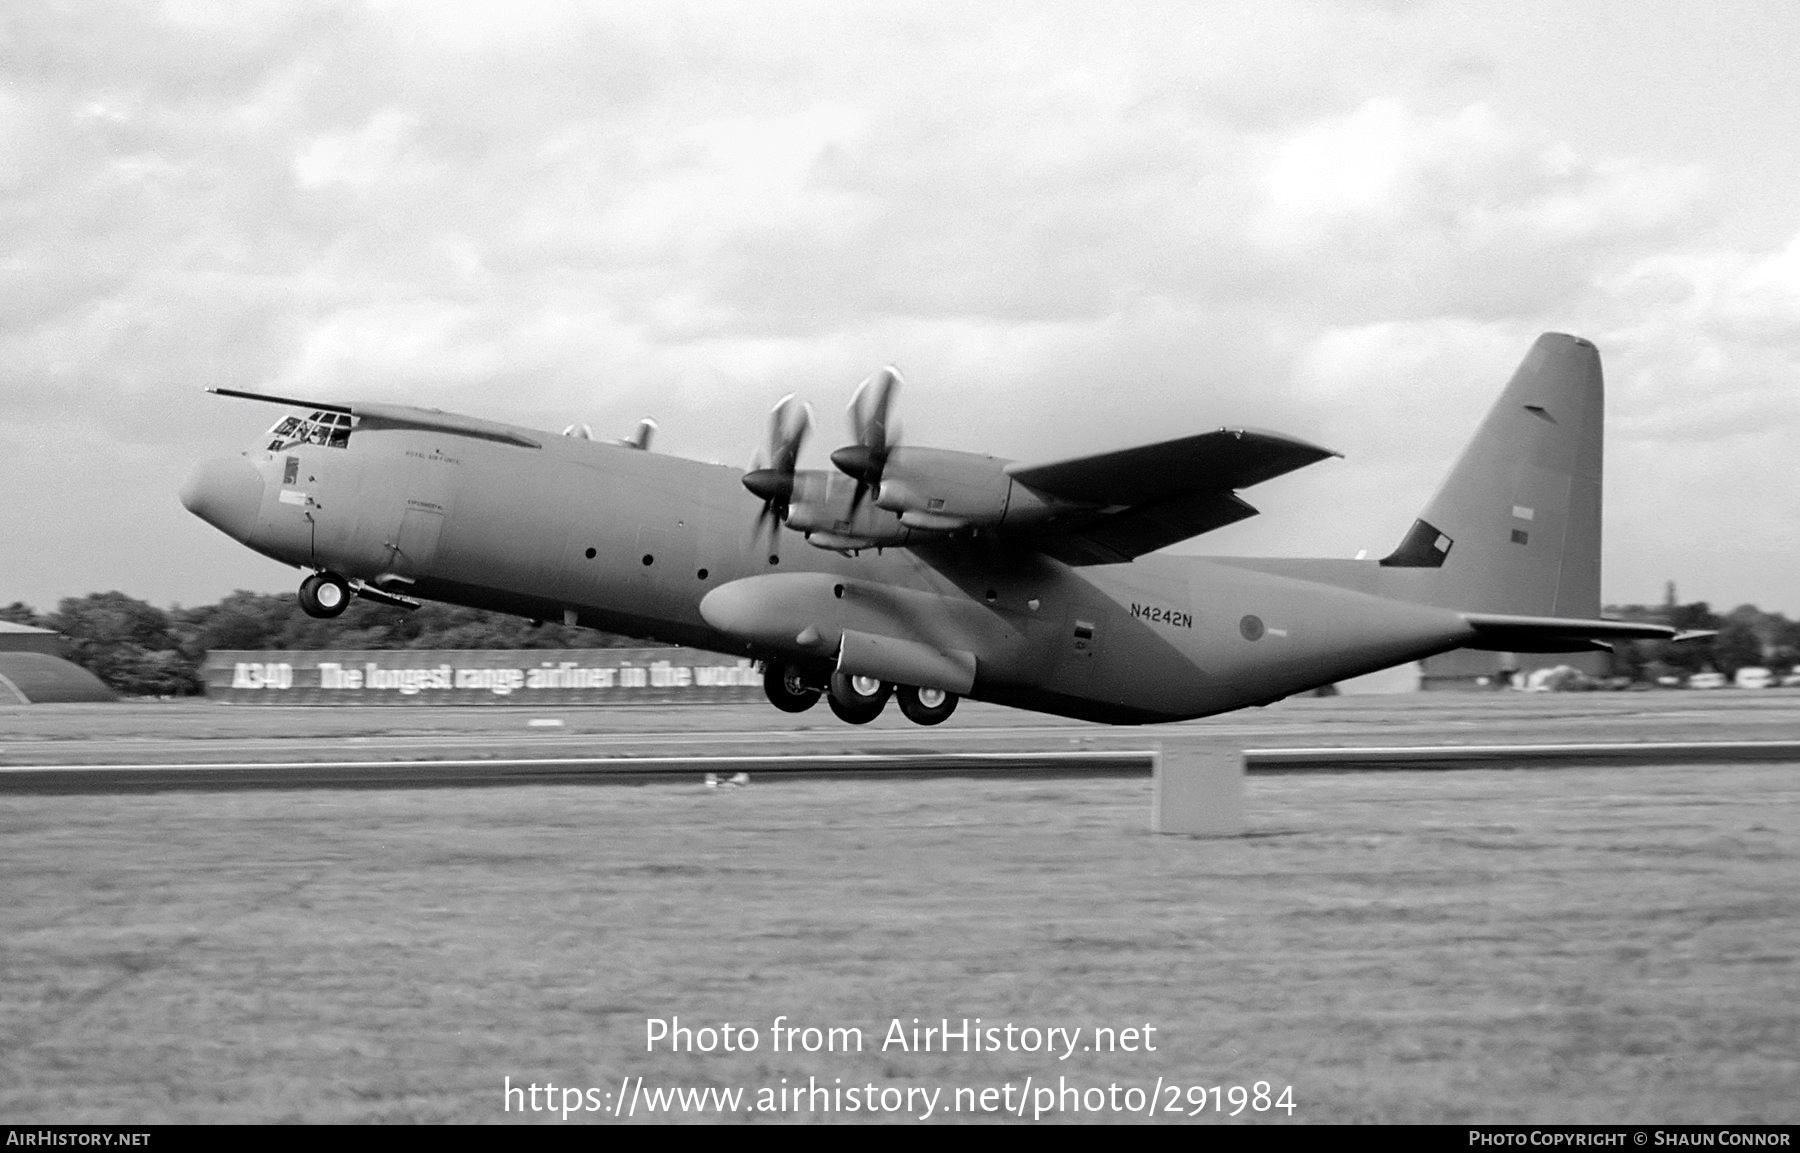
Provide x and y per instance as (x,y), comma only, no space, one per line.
(195,730)
(498,772)
(195,745)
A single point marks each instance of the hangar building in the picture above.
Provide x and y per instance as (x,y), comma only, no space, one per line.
(32,671)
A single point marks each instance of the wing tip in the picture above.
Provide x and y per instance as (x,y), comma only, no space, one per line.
(289,401)
(1284,440)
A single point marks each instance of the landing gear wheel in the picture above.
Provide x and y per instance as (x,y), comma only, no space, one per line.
(786,689)
(324,594)
(925,706)
(857,700)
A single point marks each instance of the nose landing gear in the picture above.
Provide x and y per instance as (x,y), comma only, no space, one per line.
(325,595)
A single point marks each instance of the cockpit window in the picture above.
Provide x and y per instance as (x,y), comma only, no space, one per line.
(331,429)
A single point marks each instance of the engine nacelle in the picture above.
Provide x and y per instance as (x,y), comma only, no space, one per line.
(821,503)
(935,488)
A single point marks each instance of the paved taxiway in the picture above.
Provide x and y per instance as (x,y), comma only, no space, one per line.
(230,775)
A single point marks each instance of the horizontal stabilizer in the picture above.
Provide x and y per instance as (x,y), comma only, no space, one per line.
(1503,632)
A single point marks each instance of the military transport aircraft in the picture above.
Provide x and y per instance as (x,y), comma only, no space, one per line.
(937,574)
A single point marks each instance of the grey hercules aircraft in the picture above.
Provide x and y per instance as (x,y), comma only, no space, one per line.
(938,574)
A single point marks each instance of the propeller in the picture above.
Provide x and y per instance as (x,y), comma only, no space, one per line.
(875,436)
(772,479)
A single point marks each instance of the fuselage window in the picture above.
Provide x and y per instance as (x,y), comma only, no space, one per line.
(282,434)
(329,429)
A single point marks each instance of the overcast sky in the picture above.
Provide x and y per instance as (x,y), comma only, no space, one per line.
(1072,226)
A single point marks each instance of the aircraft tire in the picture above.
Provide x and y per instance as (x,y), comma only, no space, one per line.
(786,689)
(854,714)
(324,595)
(925,706)
(857,700)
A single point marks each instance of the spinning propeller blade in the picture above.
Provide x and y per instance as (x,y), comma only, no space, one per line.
(875,435)
(773,481)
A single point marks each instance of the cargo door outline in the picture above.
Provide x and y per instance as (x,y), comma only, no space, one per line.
(415,543)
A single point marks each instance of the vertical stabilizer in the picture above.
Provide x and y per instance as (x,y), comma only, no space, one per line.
(1515,528)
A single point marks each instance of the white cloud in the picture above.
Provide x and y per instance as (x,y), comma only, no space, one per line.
(357,160)
(1460,214)
(722,181)
(1071,228)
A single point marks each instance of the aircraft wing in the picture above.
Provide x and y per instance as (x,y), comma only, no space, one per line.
(433,420)
(1113,538)
(1158,494)
(1219,461)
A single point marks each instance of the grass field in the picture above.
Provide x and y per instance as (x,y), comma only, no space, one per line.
(1577,945)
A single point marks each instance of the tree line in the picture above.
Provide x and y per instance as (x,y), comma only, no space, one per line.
(141,650)
(1746,637)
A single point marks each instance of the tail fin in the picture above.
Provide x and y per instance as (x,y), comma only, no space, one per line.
(1515,528)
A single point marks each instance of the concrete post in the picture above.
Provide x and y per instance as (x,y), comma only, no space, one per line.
(1199,792)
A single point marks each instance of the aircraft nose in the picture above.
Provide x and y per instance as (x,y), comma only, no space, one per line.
(225,492)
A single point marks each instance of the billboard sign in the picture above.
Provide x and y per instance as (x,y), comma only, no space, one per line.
(533,677)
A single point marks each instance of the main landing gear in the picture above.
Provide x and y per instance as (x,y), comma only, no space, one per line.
(324,594)
(855,700)
(925,706)
(788,689)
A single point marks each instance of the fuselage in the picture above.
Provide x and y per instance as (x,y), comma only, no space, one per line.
(655,546)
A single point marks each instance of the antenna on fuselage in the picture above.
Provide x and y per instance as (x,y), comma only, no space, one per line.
(640,436)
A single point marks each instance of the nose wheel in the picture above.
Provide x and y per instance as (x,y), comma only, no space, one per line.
(324,594)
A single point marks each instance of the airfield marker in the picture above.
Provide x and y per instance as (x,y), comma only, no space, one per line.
(1198,792)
